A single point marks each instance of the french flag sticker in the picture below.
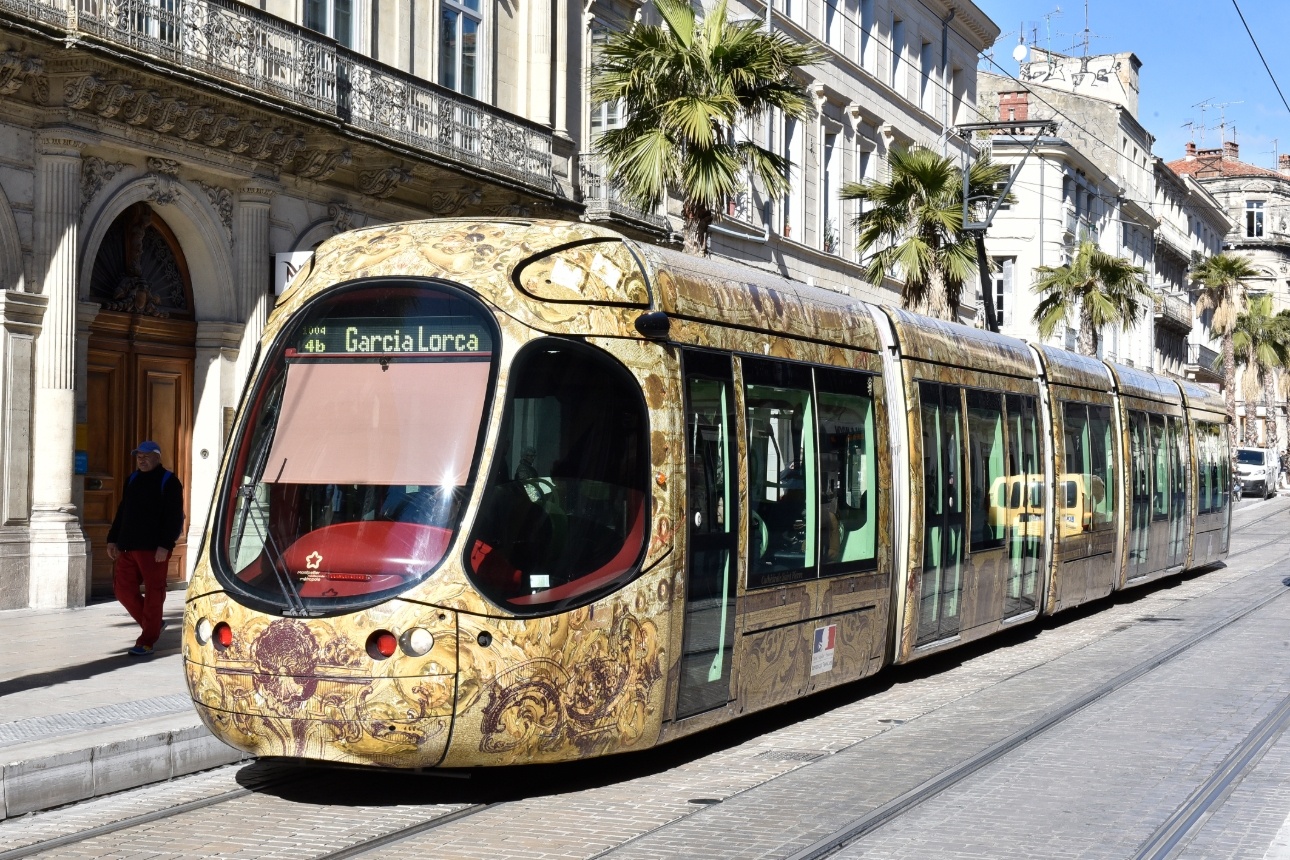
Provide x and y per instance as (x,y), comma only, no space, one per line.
(822,650)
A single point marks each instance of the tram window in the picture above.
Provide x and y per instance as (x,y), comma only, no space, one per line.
(986,469)
(848,471)
(1025,504)
(1160,459)
(782,472)
(350,477)
(563,517)
(1204,467)
(1089,479)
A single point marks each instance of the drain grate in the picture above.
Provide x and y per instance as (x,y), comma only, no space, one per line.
(790,755)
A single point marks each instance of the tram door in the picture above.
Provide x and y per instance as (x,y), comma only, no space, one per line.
(943,512)
(1180,463)
(1161,490)
(1140,500)
(707,645)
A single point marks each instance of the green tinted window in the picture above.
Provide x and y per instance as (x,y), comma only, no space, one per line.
(848,471)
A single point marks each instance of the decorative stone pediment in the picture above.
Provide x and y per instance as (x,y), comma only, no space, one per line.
(319,164)
(95,173)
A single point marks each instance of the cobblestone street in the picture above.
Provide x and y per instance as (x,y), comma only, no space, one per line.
(1175,747)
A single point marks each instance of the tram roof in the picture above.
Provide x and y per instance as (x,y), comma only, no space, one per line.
(1199,397)
(1073,369)
(730,293)
(1133,382)
(942,342)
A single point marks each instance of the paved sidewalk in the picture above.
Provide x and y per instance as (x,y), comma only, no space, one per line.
(80,718)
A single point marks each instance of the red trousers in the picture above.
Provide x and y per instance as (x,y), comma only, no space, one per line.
(137,567)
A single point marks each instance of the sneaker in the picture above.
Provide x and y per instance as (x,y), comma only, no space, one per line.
(140,651)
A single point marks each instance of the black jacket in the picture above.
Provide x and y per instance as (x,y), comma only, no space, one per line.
(150,515)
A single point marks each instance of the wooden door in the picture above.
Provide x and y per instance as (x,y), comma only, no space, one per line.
(106,385)
(139,386)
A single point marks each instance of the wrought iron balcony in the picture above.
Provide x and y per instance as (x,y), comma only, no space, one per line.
(241,45)
(603,201)
(1202,363)
(1174,312)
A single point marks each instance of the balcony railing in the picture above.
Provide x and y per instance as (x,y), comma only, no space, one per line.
(1202,358)
(261,53)
(1174,311)
(602,200)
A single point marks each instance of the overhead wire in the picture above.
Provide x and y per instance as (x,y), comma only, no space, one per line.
(1255,42)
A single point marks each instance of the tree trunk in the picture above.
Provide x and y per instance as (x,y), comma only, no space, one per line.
(1086,342)
(695,232)
(992,321)
(1270,395)
(1229,390)
(938,305)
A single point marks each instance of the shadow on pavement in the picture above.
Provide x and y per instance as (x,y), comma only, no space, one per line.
(169,643)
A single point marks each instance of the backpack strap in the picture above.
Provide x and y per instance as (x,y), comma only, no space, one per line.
(165,476)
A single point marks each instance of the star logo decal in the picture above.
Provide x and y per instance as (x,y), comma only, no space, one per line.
(313,560)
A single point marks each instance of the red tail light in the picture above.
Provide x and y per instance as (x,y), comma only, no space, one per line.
(382,644)
(222,636)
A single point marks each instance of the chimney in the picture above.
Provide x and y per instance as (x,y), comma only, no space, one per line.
(1283,164)
(1231,152)
(1013,107)
(1191,151)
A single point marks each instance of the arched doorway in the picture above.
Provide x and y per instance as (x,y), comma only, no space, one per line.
(139,372)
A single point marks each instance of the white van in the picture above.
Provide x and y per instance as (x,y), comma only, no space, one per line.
(1259,470)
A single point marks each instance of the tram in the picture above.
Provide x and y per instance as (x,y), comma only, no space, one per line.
(505,491)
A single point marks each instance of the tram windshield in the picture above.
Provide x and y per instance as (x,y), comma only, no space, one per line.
(350,474)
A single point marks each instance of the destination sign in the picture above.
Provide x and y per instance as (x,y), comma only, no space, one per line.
(395,336)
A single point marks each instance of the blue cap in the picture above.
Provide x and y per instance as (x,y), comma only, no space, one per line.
(147,448)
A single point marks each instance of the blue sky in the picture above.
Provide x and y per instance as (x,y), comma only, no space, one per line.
(1191,51)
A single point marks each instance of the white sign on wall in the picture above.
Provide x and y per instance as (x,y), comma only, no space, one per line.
(285,266)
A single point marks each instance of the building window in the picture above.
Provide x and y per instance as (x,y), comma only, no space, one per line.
(829,236)
(926,98)
(832,24)
(897,51)
(334,18)
(460,24)
(604,115)
(1254,218)
(866,35)
(1001,279)
(795,198)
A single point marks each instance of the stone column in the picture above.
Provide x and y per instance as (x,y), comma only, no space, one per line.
(252,265)
(58,546)
(559,57)
(215,395)
(20,316)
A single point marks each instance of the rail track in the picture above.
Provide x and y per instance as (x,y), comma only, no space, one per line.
(1162,843)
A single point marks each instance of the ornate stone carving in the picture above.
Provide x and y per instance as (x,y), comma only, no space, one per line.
(383,182)
(320,164)
(139,110)
(221,200)
(516,209)
(164,180)
(95,173)
(445,203)
(342,217)
(16,70)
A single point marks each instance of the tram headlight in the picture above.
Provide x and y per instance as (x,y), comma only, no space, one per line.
(416,642)
(203,631)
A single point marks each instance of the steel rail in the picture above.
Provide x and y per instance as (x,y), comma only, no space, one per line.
(1188,817)
(930,788)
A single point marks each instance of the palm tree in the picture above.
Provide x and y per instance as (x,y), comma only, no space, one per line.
(1222,290)
(914,229)
(685,88)
(1101,288)
(1261,346)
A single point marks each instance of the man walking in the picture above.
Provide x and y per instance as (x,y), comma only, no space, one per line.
(143,535)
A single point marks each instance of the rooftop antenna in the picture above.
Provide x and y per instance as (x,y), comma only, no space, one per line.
(1222,122)
(1203,106)
(1276,156)
(1086,28)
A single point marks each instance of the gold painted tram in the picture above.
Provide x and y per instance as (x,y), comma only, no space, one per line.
(518,491)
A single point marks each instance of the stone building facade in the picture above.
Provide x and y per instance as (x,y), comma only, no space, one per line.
(1095,178)
(1256,201)
(163,165)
